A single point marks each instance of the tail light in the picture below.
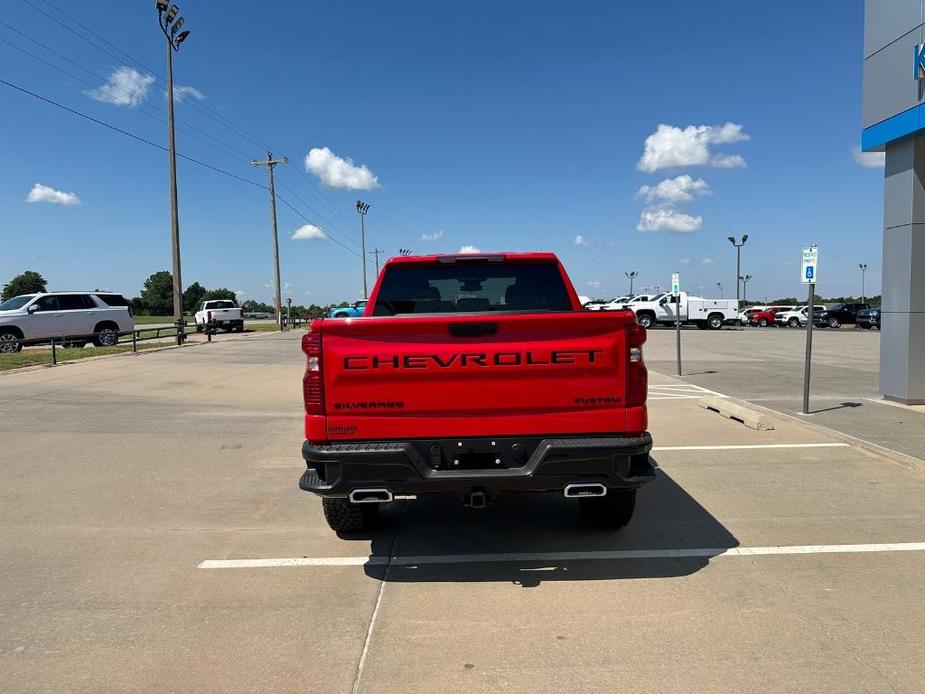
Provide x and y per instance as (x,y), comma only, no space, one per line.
(637,376)
(313,381)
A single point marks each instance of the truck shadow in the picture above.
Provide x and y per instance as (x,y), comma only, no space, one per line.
(526,539)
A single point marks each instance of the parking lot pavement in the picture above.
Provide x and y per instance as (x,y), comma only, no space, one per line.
(765,366)
(758,560)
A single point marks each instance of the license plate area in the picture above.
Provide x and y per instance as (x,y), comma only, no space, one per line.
(477,454)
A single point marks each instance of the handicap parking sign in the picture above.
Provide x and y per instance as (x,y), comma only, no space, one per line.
(810,261)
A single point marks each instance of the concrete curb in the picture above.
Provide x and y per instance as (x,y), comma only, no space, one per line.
(907,461)
(737,411)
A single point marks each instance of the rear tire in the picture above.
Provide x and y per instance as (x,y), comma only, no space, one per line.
(106,335)
(646,320)
(763,323)
(10,342)
(834,323)
(346,517)
(612,511)
(715,321)
(794,323)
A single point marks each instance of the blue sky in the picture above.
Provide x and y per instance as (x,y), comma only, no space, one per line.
(499,125)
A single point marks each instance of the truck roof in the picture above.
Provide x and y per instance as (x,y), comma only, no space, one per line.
(503,256)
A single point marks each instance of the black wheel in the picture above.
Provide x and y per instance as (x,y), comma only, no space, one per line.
(239,327)
(346,517)
(715,321)
(763,322)
(646,320)
(794,322)
(9,342)
(834,322)
(107,335)
(611,511)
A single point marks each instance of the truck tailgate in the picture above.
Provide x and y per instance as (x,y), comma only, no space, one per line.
(475,375)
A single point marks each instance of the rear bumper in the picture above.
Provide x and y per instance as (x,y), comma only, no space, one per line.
(414,467)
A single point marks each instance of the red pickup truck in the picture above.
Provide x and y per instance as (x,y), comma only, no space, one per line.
(475,374)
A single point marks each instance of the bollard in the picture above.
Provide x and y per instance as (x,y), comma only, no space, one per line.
(134,340)
(54,353)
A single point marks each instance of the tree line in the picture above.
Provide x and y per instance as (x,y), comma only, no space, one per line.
(156,298)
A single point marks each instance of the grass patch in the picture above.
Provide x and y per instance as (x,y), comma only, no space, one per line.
(157,320)
(33,357)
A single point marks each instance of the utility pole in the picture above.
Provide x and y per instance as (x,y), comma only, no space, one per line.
(363,208)
(166,17)
(863,268)
(270,164)
(376,252)
(738,246)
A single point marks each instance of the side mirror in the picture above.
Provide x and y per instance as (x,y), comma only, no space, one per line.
(33,308)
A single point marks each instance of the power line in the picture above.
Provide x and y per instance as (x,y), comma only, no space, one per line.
(202,108)
(161,147)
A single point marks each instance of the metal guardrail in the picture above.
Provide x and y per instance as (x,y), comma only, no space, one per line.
(178,331)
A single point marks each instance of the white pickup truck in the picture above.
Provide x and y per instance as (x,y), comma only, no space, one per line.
(695,310)
(221,313)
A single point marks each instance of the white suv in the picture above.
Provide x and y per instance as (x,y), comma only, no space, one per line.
(76,317)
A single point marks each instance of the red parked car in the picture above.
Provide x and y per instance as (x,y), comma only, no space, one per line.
(766,317)
(475,375)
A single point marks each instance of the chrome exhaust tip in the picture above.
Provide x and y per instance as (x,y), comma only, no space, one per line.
(584,489)
(370,496)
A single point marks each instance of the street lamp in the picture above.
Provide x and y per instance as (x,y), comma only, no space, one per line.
(631,275)
(745,280)
(363,208)
(863,268)
(732,240)
(720,285)
(166,14)
(404,251)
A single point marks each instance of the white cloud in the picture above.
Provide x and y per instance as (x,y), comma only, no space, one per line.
(685,261)
(40,193)
(872,160)
(707,261)
(680,189)
(670,146)
(581,241)
(124,87)
(286,286)
(594,284)
(180,93)
(668,218)
(429,238)
(240,294)
(308,232)
(335,172)
(469,249)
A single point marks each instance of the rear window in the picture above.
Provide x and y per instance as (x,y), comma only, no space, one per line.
(472,288)
(74,302)
(112,299)
(219,304)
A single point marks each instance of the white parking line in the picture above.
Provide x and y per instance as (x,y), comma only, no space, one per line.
(689,553)
(734,447)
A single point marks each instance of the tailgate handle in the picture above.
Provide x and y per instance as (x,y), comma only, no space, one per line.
(473,329)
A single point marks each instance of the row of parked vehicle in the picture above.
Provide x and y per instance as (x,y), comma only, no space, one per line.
(858,314)
(98,317)
(664,308)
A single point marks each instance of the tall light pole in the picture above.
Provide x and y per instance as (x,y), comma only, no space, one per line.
(720,285)
(863,268)
(170,25)
(363,208)
(732,240)
(271,163)
(745,280)
(631,275)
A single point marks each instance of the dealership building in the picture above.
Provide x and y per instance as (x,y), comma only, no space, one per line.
(894,122)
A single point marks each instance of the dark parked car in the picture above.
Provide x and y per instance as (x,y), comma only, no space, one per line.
(869,318)
(838,315)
